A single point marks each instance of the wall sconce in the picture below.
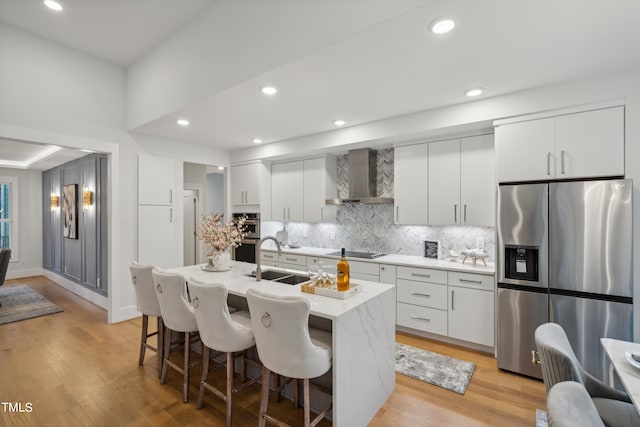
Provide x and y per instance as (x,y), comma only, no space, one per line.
(55,201)
(87,198)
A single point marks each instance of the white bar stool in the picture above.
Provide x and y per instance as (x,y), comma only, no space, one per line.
(178,315)
(287,346)
(222,331)
(148,305)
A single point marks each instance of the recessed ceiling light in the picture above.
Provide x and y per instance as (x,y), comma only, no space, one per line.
(442,26)
(474,92)
(182,122)
(53,5)
(339,123)
(269,90)
(257,141)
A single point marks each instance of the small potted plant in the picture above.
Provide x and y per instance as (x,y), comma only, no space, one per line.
(220,237)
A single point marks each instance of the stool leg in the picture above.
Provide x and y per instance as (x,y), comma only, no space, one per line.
(296,393)
(264,398)
(307,412)
(205,375)
(143,338)
(165,356)
(230,372)
(160,345)
(187,352)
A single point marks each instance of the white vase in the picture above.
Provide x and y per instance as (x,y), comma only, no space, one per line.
(219,261)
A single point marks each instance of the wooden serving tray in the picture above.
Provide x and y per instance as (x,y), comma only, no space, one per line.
(332,293)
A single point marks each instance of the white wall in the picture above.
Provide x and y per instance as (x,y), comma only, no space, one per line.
(28,260)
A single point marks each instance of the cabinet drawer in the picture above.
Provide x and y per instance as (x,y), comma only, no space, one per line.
(422,274)
(269,256)
(296,267)
(313,260)
(422,318)
(300,260)
(370,268)
(360,276)
(470,280)
(424,294)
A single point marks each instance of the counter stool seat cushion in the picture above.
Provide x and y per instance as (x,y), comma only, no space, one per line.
(569,405)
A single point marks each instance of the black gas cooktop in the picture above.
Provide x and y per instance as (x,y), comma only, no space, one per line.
(356,254)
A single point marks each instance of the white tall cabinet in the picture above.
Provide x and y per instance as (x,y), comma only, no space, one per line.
(566,145)
(410,184)
(158,220)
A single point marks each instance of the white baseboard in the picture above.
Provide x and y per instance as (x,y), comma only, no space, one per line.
(27,272)
(81,291)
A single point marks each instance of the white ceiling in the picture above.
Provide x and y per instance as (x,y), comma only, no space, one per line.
(29,155)
(388,67)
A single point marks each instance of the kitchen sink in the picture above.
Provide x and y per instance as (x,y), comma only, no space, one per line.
(282,276)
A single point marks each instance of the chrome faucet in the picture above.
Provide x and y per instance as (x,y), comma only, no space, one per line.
(258,269)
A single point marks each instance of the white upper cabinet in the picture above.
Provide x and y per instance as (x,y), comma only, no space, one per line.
(590,144)
(251,185)
(319,185)
(444,182)
(577,145)
(410,184)
(156,180)
(462,181)
(477,181)
(286,191)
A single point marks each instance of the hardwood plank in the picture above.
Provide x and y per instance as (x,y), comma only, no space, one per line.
(78,370)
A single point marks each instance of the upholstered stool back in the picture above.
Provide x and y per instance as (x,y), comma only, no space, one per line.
(177,312)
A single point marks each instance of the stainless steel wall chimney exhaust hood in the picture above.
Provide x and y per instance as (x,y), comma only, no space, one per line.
(362,180)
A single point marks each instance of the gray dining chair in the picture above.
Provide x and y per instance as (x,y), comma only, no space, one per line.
(569,405)
(5,256)
(559,363)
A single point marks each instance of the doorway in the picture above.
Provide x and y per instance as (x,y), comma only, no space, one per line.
(191,206)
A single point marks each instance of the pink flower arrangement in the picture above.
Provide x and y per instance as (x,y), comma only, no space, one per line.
(218,235)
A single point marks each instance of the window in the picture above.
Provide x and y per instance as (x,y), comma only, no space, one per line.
(9,214)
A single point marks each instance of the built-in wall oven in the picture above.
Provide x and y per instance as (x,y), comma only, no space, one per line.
(246,252)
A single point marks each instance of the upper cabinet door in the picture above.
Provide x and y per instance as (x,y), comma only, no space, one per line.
(319,185)
(156,180)
(245,184)
(444,183)
(286,191)
(477,180)
(590,144)
(410,186)
(526,150)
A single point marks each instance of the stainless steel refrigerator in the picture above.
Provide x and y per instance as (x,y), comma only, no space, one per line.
(564,255)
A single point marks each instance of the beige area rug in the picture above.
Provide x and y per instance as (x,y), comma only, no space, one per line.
(22,302)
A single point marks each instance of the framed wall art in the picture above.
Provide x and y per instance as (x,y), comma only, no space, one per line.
(70,211)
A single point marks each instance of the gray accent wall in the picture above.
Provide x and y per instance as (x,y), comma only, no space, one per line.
(83,260)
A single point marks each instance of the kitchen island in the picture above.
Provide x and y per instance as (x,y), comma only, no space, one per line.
(363,335)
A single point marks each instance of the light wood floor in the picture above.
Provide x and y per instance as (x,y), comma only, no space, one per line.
(77,370)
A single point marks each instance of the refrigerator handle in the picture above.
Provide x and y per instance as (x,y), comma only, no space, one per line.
(535,358)
(548,163)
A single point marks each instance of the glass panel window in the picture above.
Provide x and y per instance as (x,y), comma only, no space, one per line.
(9,215)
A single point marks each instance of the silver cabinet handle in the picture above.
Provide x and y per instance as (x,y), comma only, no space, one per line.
(170,215)
(171,196)
(321,212)
(426,319)
(284,213)
(562,162)
(288,213)
(455,213)
(479,282)
(548,163)
(291,259)
(421,295)
(465,212)
(452,294)
(397,216)
(421,275)
(268,256)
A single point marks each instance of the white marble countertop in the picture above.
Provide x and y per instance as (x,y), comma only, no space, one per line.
(238,283)
(629,375)
(396,259)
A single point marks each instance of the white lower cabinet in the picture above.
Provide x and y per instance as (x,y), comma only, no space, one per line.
(453,304)
(471,315)
(268,259)
(388,274)
(293,262)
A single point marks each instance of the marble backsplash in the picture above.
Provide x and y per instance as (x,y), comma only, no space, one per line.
(371,228)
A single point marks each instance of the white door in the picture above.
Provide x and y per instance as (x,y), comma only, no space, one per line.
(444,183)
(471,315)
(526,150)
(590,144)
(190,213)
(410,184)
(477,181)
